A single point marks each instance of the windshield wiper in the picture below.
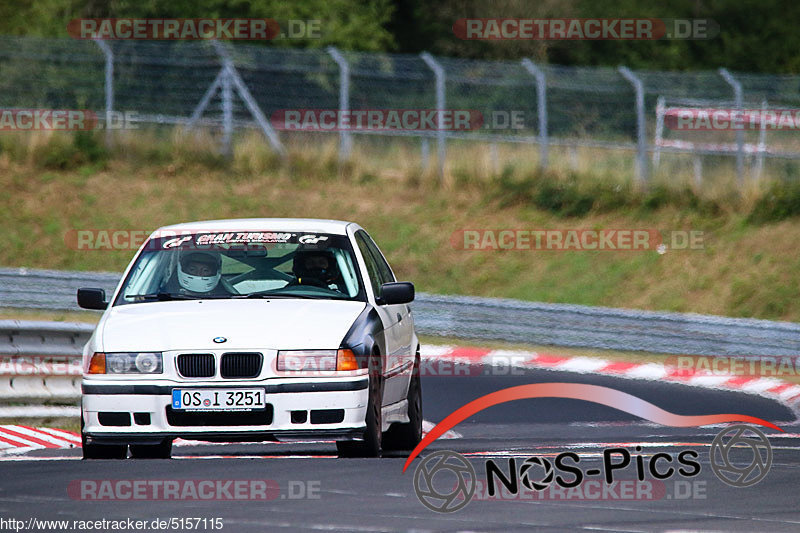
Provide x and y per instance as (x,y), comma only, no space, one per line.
(161,296)
(268,295)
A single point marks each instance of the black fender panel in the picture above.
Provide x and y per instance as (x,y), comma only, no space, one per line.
(366,336)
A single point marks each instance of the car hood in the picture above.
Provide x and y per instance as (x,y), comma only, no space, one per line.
(246,324)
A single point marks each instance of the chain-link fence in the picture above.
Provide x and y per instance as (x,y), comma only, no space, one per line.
(229,87)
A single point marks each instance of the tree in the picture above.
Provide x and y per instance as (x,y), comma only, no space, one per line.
(349,24)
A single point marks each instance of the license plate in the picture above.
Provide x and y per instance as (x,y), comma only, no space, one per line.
(218,399)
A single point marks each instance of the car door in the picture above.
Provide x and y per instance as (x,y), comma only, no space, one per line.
(400,359)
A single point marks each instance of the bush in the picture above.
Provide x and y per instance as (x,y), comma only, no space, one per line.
(576,195)
(779,202)
(66,152)
(90,146)
(573,196)
(565,199)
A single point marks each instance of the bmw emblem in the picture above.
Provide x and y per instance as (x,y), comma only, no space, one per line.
(220,340)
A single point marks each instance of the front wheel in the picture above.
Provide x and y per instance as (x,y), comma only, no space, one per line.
(373,435)
(103,451)
(406,436)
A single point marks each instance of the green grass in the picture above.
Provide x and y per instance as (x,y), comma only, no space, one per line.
(89,317)
(69,424)
(748,266)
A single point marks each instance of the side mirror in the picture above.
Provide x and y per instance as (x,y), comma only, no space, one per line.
(400,292)
(92,299)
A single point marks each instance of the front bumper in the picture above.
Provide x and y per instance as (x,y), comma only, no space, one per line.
(342,401)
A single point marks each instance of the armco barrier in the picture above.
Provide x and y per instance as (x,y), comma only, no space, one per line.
(495,319)
(41,361)
(49,289)
(43,338)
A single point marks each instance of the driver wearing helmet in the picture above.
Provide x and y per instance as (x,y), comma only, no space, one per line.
(315,267)
(199,273)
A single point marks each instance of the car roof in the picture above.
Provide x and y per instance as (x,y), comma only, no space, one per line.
(336,227)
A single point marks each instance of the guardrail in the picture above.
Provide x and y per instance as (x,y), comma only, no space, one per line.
(49,289)
(603,328)
(495,319)
(40,362)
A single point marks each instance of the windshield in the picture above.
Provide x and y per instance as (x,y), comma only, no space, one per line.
(229,265)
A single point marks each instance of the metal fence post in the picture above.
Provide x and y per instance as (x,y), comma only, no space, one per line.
(641,143)
(541,108)
(345,139)
(109,85)
(762,144)
(227,109)
(574,162)
(207,96)
(230,75)
(697,163)
(227,98)
(255,111)
(438,71)
(425,153)
(660,110)
(737,96)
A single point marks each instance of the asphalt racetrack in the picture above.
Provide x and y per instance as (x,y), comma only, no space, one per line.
(375,494)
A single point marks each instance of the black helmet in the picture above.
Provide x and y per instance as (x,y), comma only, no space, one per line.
(315,265)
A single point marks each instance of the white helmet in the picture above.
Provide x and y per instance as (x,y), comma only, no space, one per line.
(199,271)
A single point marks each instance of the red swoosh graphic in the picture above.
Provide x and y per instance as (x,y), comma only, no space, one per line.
(578,391)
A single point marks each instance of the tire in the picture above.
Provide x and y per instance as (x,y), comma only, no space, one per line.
(373,436)
(102,451)
(152,451)
(406,436)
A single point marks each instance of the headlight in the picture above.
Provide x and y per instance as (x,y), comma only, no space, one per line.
(126,363)
(324,360)
(148,363)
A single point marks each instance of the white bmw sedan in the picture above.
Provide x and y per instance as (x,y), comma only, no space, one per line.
(253,330)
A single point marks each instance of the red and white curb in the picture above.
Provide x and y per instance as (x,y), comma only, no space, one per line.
(504,361)
(16,440)
(22,439)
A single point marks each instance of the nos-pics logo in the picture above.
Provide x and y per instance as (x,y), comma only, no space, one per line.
(445,481)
